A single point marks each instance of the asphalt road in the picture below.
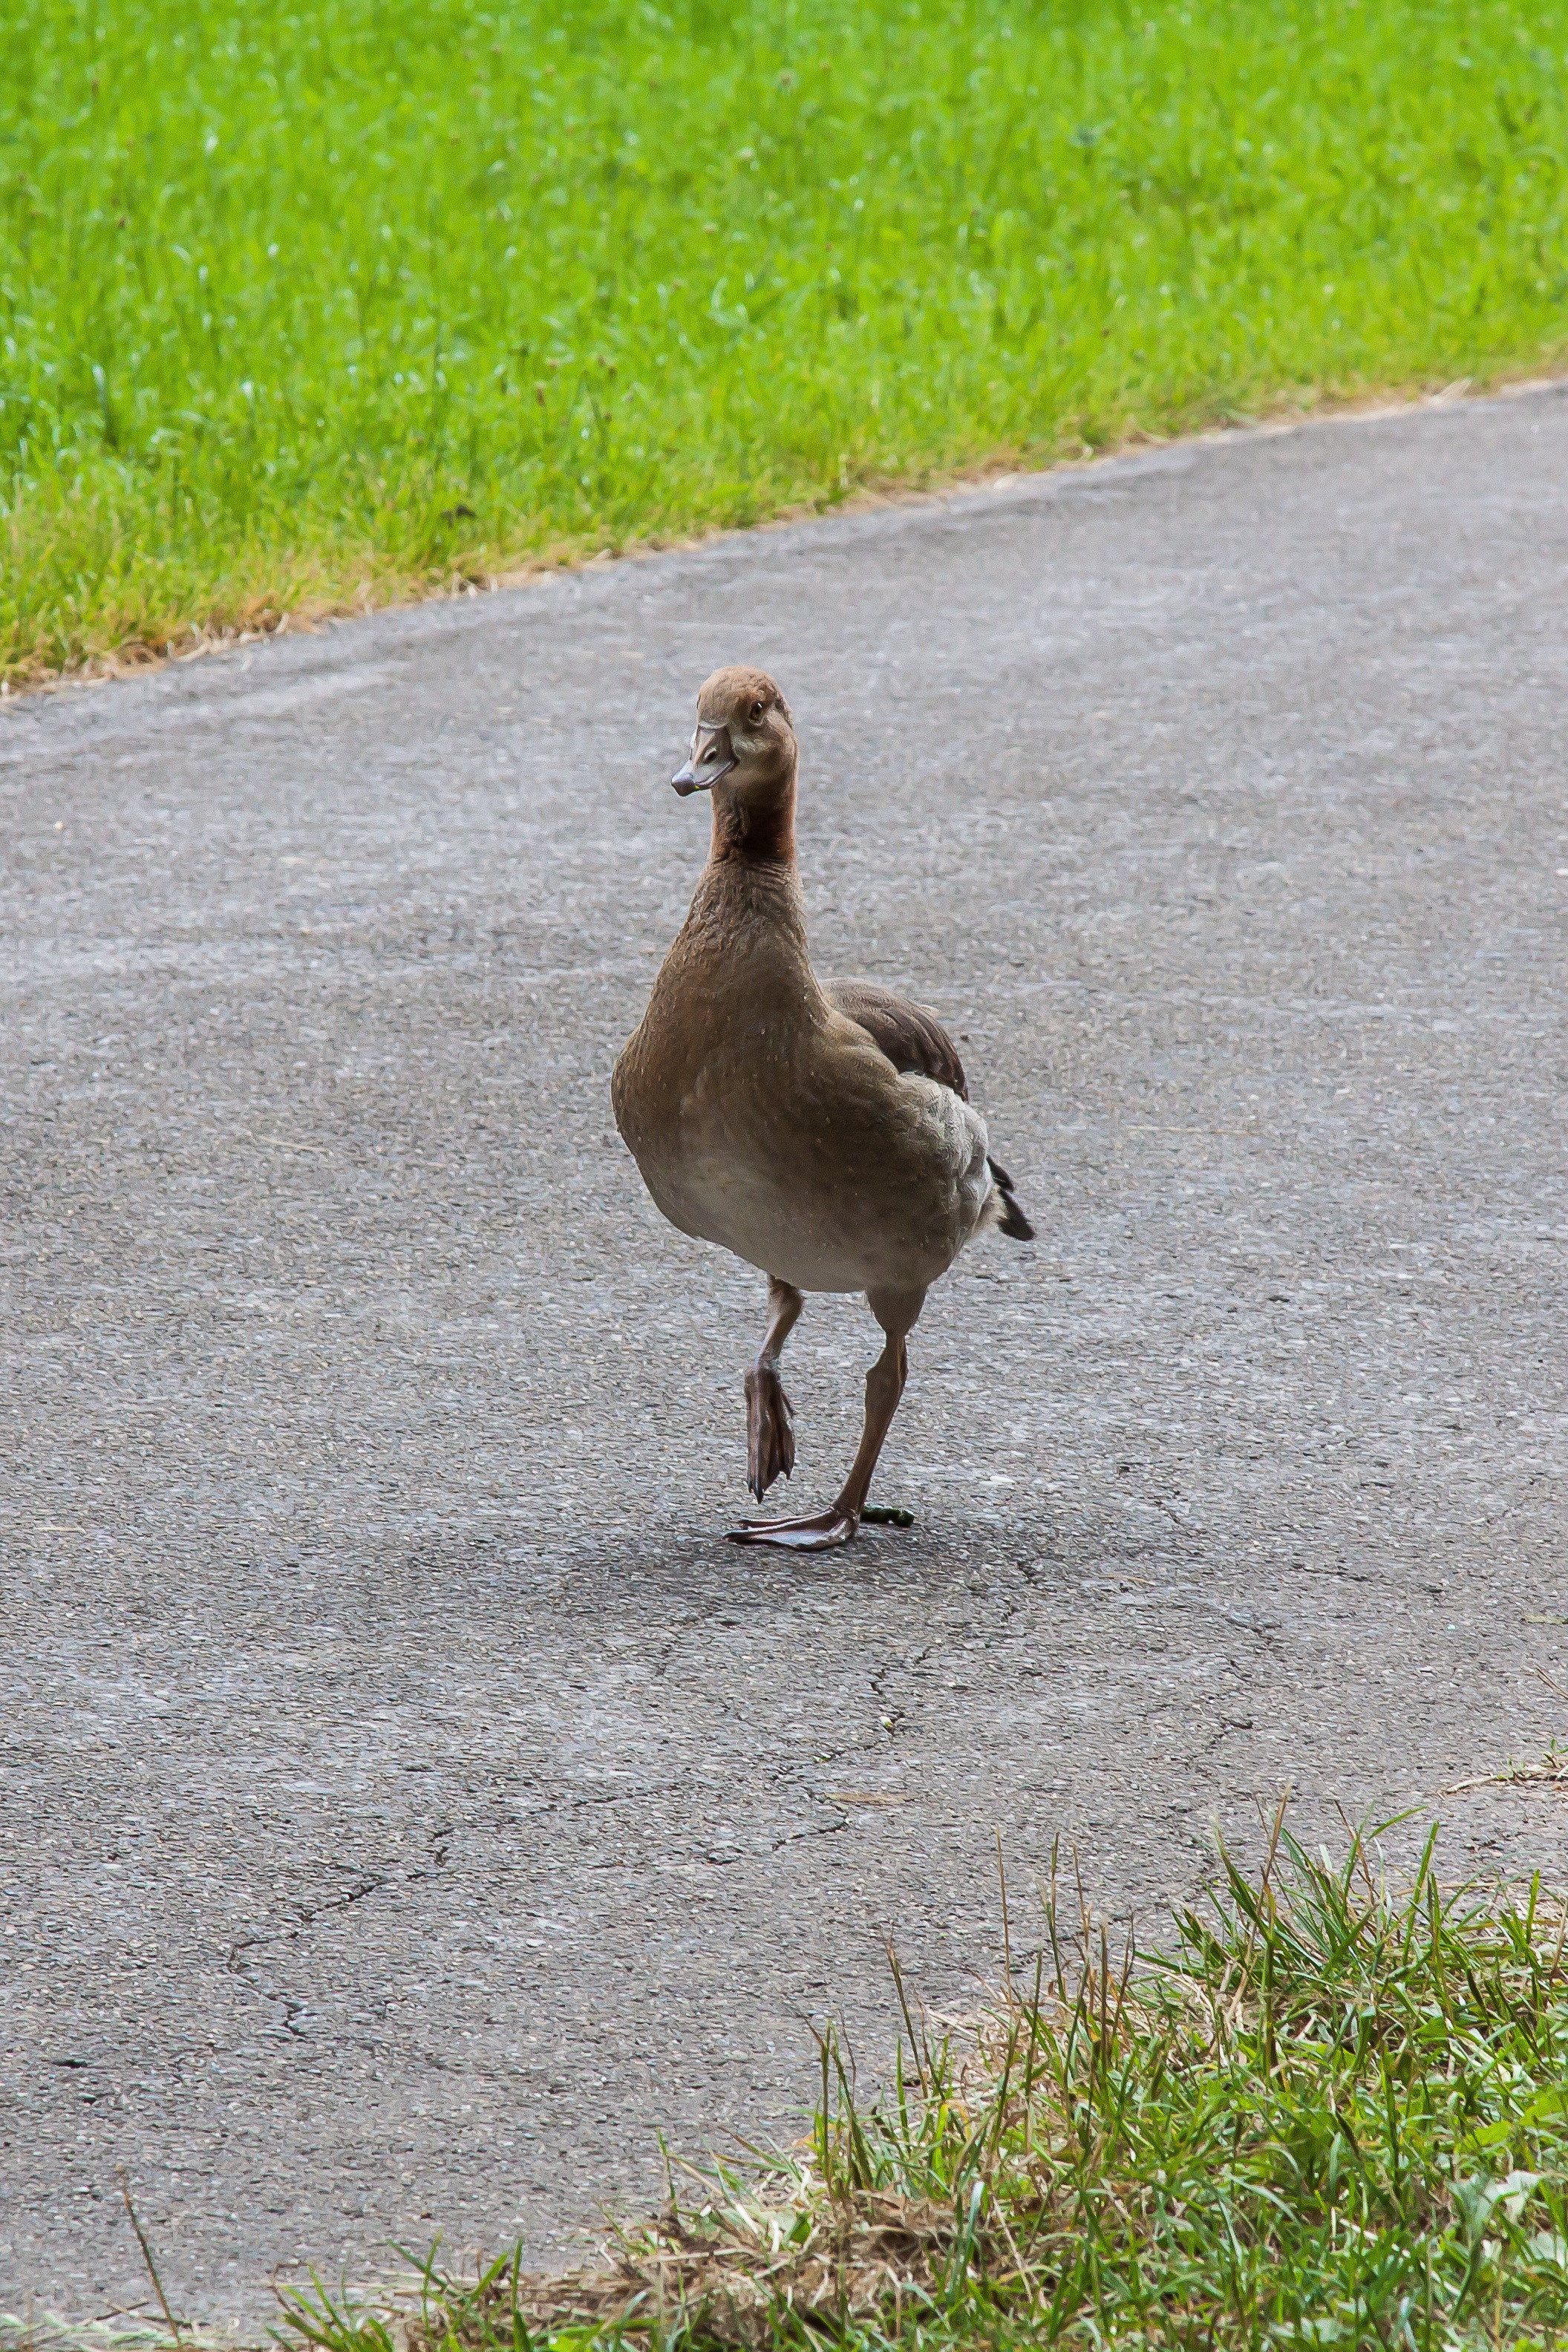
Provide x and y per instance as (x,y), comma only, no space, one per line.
(410,1803)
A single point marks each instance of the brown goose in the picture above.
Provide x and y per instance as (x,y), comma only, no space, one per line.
(820,1129)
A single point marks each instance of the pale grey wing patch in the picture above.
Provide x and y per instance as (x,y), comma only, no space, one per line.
(910,1035)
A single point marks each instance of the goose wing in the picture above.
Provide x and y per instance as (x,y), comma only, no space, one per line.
(909,1035)
(913,1039)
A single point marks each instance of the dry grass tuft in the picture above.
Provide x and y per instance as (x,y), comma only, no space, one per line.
(734,2276)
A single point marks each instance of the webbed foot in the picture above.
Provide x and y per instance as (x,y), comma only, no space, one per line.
(770,1432)
(826,1532)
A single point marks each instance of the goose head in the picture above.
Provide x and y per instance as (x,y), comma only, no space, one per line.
(742,749)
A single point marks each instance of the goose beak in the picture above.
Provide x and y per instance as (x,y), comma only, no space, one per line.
(710,759)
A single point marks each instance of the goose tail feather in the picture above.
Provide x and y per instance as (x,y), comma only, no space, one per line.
(1011,1219)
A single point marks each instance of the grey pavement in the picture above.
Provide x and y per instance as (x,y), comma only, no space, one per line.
(410,1804)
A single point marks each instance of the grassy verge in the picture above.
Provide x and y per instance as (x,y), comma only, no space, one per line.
(1330,2115)
(328,304)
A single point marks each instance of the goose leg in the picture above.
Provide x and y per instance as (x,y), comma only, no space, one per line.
(897,1311)
(770,1432)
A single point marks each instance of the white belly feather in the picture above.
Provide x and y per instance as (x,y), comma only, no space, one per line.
(798,1222)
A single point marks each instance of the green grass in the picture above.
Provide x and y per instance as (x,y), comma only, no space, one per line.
(321,303)
(1330,2115)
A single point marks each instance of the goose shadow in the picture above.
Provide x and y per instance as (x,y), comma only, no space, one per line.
(677,1571)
